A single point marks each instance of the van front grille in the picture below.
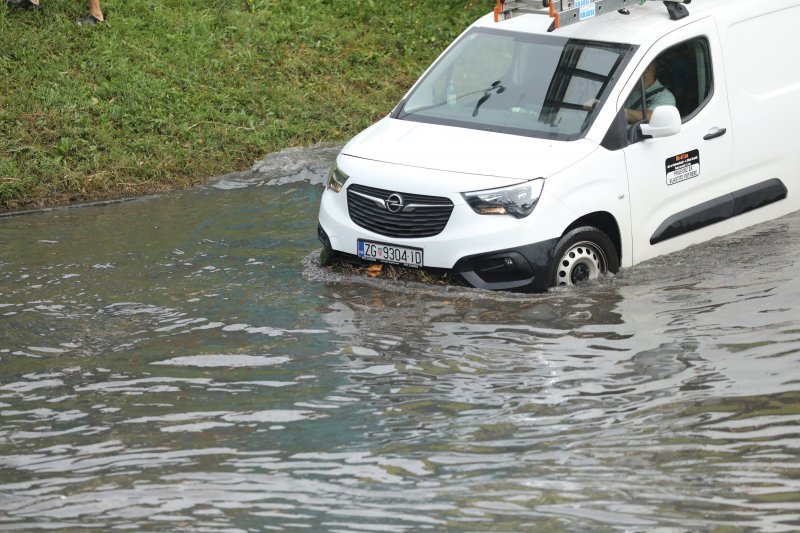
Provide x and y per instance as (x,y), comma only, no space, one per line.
(398,214)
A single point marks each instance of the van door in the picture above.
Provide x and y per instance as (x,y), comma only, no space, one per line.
(676,182)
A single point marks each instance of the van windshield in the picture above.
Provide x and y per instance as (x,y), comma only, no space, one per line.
(533,85)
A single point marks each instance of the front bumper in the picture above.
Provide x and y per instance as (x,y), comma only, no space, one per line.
(524,268)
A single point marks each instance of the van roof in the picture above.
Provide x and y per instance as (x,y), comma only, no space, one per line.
(645,24)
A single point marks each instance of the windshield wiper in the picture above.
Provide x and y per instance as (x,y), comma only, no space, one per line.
(486,94)
(402,113)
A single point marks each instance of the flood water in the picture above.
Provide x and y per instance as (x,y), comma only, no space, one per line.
(182,363)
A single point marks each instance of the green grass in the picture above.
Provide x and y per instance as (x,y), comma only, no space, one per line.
(173,92)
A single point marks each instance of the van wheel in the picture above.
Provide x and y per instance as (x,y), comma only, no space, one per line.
(584,253)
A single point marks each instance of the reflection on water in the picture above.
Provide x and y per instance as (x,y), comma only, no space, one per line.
(181,362)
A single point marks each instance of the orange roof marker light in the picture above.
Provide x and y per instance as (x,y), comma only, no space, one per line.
(567,12)
(554,15)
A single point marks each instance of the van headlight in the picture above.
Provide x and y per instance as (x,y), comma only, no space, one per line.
(517,200)
(336,179)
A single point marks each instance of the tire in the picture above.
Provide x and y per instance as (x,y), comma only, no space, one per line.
(584,253)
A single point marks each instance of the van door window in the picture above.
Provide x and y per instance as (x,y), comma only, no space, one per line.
(680,76)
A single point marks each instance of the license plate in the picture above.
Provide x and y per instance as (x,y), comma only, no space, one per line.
(389,253)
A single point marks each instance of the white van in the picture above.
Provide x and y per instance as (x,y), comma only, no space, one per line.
(526,158)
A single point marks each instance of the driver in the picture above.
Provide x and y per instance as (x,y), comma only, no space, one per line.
(655,95)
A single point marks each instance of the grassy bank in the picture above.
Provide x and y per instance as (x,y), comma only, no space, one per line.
(170,93)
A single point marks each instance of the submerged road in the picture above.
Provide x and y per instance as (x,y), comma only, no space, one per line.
(182,362)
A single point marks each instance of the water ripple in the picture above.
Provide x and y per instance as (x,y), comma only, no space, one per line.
(184,363)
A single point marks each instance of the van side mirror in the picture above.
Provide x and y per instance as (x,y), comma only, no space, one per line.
(664,122)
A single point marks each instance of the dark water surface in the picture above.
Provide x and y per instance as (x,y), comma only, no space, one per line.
(182,363)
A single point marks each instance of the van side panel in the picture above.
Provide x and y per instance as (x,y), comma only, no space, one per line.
(763,74)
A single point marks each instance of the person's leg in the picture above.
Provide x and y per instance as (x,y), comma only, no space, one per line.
(94,9)
(95,15)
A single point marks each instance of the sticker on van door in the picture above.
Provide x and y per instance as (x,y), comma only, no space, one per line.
(683,167)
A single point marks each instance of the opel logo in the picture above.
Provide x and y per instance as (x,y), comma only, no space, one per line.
(394,203)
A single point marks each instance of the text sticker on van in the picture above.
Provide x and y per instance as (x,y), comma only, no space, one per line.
(586,9)
(683,167)
(587,12)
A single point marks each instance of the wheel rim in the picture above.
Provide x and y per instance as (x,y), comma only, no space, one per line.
(582,261)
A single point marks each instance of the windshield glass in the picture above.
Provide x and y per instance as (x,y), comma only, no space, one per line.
(534,85)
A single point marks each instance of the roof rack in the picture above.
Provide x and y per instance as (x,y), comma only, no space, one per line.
(567,12)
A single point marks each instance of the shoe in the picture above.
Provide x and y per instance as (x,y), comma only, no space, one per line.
(89,20)
(22,4)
